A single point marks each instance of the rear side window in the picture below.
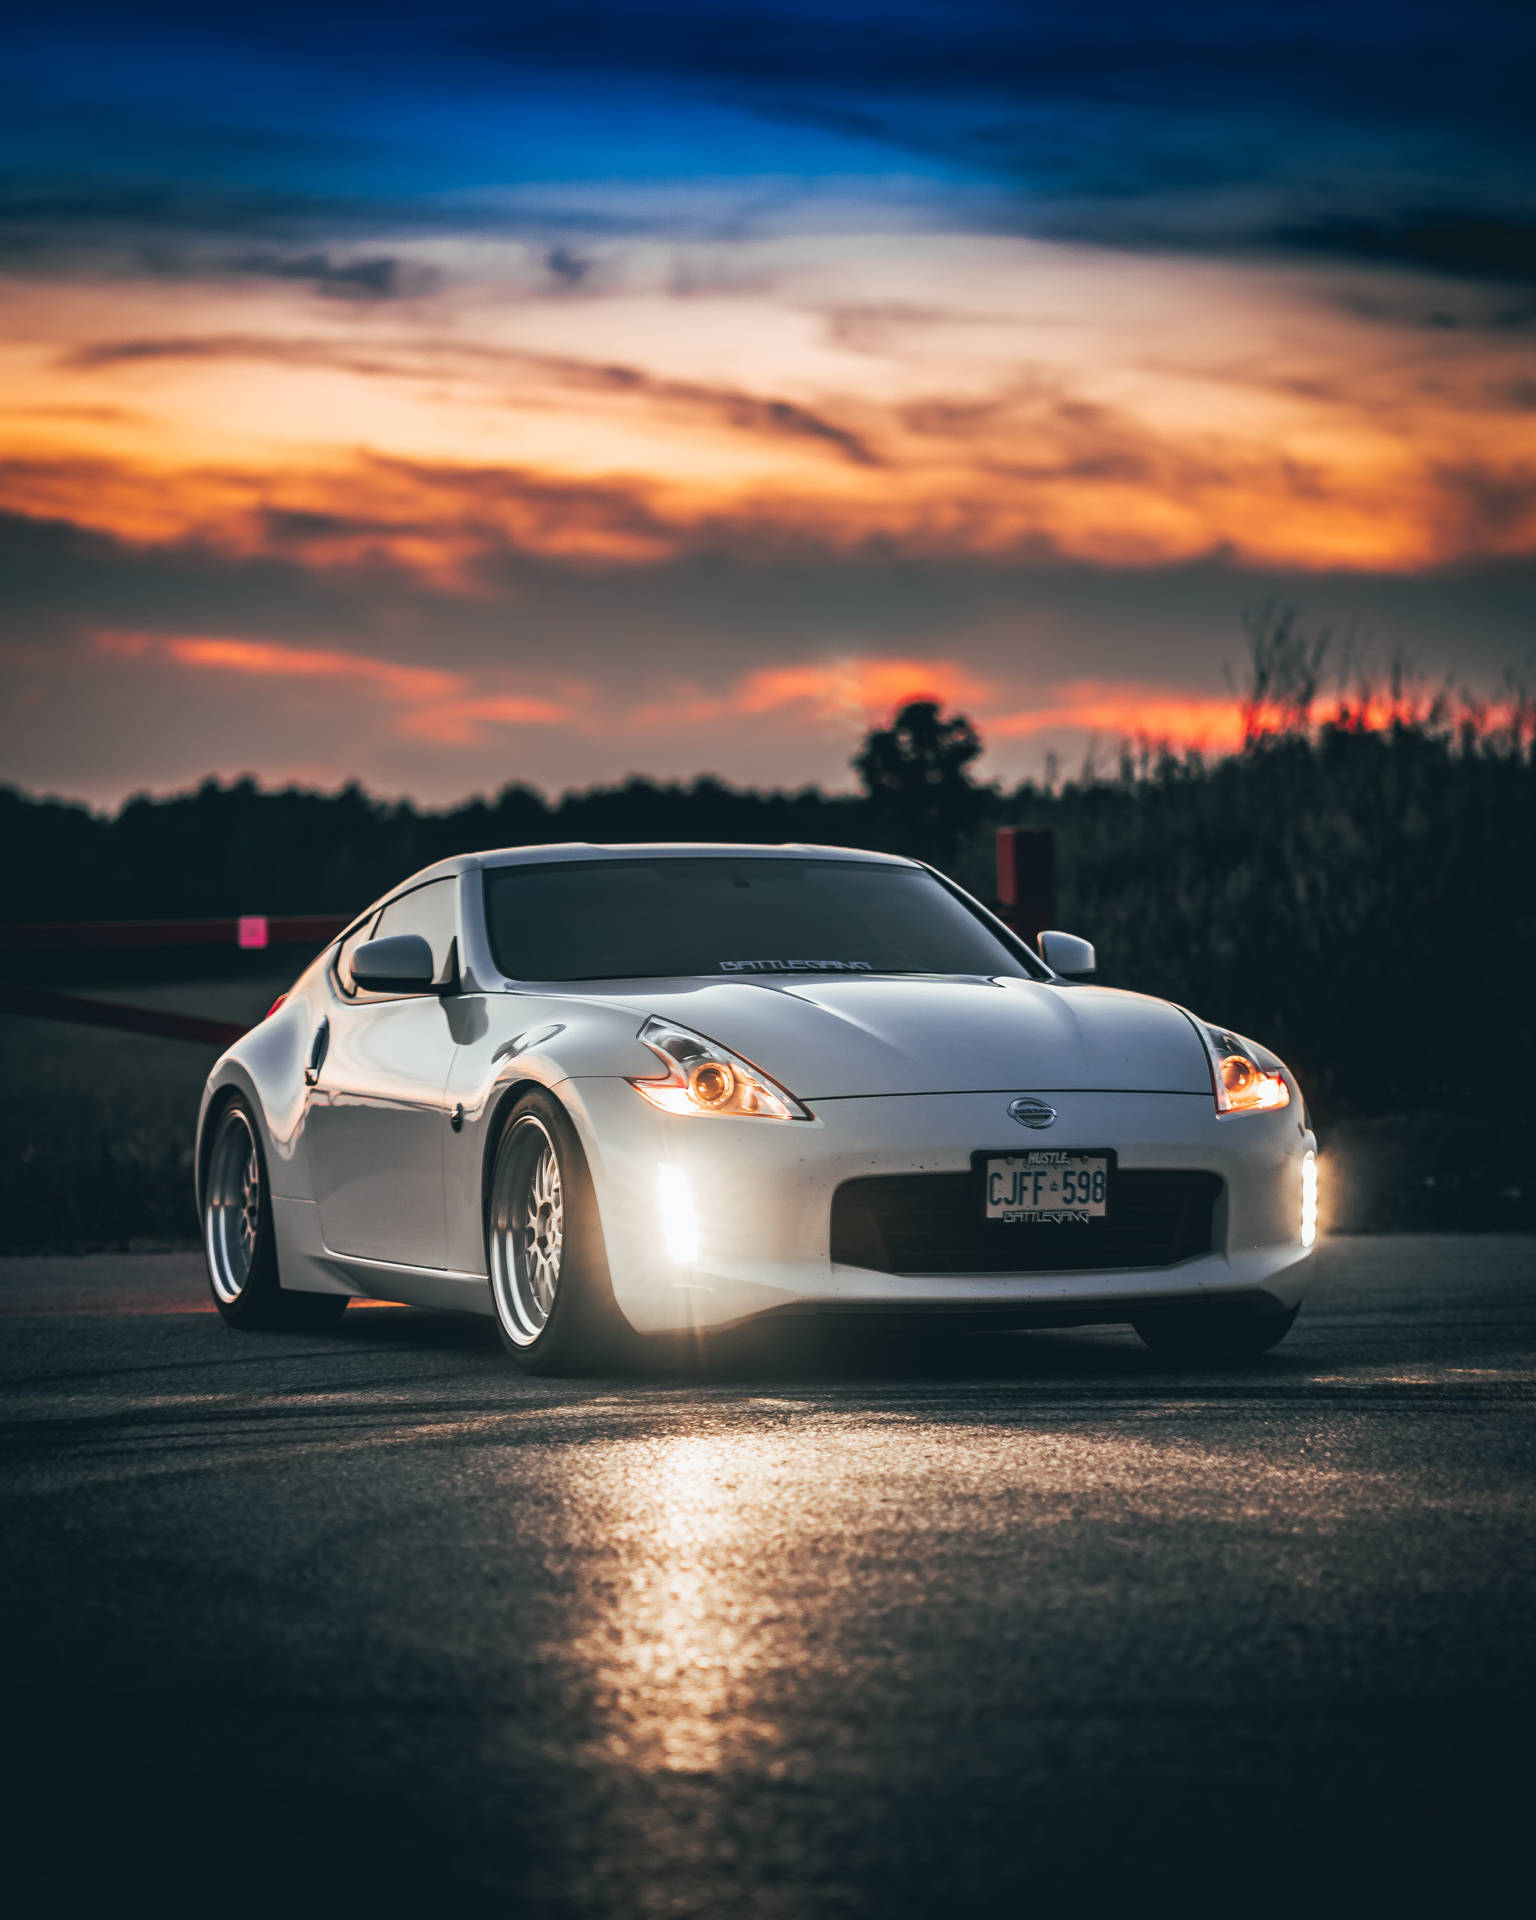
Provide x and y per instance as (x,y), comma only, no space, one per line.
(429,911)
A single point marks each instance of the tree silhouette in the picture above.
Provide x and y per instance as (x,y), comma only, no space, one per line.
(914,772)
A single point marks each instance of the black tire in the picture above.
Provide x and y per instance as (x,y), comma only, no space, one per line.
(575,1325)
(1213,1333)
(239,1242)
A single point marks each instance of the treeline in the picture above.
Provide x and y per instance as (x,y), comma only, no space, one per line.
(235,848)
(1359,898)
(1356,891)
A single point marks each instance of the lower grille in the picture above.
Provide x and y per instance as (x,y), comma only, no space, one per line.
(932,1223)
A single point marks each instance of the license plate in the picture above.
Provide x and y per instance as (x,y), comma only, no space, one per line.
(1046,1185)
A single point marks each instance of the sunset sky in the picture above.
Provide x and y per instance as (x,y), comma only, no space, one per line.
(554,392)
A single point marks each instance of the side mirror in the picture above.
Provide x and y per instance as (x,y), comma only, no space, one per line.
(1063,953)
(399,963)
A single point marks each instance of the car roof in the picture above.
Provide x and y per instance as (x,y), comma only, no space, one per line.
(575,850)
(676,849)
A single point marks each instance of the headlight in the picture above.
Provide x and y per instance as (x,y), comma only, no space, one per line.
(702,1077)
(1247,1078)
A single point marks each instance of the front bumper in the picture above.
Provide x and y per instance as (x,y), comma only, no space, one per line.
(709,1222)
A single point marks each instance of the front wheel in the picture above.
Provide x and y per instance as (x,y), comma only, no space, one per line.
(1210,1333)
(239,1240)
(549,1272)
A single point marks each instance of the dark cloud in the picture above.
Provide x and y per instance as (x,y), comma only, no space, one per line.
(182,229)
(784,417)
(1107,121)
(1107,96)
(169,235)
(146,224)
(726,571)
(750,413)
(1467,306)
(1458,241)
(1112,51)
(567,266)
(292,530)
(1070,439)
(225,346)
(95,416)
(879,326)
(1493,505)
(378,277)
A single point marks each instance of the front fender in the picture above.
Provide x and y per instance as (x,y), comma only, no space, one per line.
(266,1066)
(506,1044)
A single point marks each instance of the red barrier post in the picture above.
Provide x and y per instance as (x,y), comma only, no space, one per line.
(1026,879)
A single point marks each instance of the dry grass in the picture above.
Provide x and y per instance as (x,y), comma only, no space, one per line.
(96,1127)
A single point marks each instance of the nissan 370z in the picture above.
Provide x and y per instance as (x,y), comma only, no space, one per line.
(606,1092)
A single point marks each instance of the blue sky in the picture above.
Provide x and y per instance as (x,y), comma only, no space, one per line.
(757,348)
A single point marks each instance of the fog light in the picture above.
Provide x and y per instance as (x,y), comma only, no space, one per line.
(679,1223)
(1308,1198)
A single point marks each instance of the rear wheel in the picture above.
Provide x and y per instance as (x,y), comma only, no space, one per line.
(1213,1332)
(239,1240)
(549,1272)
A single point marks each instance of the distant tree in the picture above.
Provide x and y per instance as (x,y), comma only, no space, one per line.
(915,773)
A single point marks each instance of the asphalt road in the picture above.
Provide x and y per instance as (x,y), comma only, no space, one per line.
(364,1622)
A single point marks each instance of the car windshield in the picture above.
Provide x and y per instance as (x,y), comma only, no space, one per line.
(735,919)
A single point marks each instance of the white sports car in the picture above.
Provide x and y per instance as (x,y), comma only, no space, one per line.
(608,1091)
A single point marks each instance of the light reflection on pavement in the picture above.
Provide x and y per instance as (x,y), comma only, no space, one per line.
(888,1628)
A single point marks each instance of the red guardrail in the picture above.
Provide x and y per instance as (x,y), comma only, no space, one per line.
(249,930)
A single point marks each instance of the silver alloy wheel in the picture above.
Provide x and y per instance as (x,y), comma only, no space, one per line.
(527,1229)
(232,1206)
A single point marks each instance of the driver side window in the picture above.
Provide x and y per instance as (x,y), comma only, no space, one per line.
(430,912)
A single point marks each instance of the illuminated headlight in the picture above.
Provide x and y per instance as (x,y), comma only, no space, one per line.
(1247,1077)
(1308,1198)
(702,1077)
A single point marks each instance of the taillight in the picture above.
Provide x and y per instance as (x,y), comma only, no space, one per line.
(274,1006)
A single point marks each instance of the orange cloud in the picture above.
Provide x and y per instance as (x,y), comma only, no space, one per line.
(848,693)
(266,661)
(866,686)
(1081,481)
(459,722)
(441,707)
(1129,710)
(998,396)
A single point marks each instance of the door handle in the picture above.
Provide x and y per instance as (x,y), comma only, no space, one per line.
(317,1051)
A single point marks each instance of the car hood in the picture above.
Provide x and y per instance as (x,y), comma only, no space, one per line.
(828,1038)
